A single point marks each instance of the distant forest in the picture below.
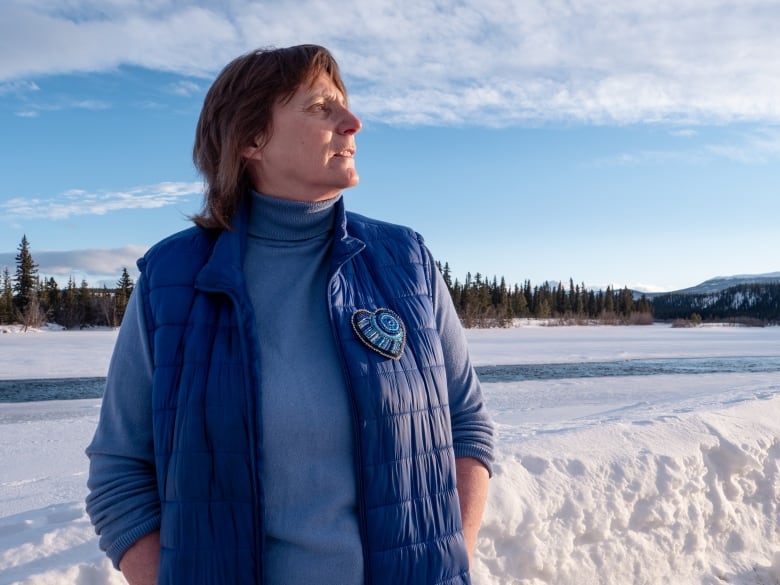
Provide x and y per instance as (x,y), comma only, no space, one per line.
(483,302)
(490,302)
(31,300)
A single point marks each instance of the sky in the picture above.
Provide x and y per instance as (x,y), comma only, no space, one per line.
(612,142)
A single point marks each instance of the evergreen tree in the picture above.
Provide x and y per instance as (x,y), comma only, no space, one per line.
(579,301)
(51,298)
(447,275)
(26,277)
(124,287)
(609,301)
(6,298)
(86,311)
(68,315)
(625,302)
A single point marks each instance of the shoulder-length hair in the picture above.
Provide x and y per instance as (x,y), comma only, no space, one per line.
(237,113)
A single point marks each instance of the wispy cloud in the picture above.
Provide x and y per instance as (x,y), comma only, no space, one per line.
(653,158)
(34,109)
(757,147)
(18,87)
(754,146)
(487,62)
(684,132)
(79,202)
(184,88)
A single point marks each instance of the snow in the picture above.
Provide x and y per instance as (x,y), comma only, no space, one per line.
(623,480)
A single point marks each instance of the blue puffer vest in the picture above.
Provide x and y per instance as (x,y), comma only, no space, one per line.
(207,417)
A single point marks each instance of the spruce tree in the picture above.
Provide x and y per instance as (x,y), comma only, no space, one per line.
(85,311)
(124,287)
(26,277)
(51,298)
(6,298)
(446,274)
(68,315)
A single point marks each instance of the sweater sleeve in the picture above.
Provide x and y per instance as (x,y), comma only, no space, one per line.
(123,502)
(472,427)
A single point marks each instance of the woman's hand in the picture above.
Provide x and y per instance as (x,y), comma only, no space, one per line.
(141,561)
(472,478)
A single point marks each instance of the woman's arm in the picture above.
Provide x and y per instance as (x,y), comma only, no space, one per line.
(472,477)
(472,428)
(140,563)
(123,501)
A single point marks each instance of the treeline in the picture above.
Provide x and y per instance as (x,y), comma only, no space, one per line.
(483,302)
(758,302)
(28,299)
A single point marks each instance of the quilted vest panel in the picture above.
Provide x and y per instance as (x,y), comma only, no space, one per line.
(411,512)
(205,425)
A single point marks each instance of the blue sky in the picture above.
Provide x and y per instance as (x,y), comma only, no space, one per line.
(625,143)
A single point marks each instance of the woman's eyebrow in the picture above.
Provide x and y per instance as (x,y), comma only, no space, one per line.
(327,93)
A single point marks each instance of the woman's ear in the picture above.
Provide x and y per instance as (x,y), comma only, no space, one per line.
(253,152)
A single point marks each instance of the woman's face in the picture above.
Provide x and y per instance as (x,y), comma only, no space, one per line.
(310,155)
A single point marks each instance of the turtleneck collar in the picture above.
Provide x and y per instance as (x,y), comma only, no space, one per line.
(281,219)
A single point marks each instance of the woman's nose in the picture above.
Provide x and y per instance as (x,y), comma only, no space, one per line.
(350,123)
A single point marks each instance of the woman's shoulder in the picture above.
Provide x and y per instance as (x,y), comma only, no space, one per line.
(187,247)
(368,227)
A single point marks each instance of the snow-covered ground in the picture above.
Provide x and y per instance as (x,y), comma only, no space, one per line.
(626,480)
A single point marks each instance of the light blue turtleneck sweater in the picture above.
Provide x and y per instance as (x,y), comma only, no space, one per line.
(312,533)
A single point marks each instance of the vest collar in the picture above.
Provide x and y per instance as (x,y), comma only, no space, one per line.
(224,270)
(345,246)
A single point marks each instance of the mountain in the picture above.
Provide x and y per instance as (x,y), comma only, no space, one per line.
(719,283)
(755,297)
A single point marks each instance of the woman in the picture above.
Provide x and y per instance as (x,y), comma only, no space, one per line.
(290,398)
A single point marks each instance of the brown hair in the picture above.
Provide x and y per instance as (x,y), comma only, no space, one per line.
(237,113)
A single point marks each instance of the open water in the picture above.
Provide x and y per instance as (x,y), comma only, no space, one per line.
(74,388)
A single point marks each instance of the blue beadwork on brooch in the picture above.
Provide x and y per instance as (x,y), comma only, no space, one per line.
(381,330)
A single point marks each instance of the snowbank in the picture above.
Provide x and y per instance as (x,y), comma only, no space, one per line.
(683,498)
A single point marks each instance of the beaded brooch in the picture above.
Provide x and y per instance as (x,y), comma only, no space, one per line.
(383,331)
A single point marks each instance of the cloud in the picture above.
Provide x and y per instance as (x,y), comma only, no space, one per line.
(79,202)
(96,266)
(33,110)
(653,158)
(185,88)
(684,132)
(486,62)
(18,87)
(759,145)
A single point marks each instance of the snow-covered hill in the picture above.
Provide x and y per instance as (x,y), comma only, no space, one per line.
(721,283)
